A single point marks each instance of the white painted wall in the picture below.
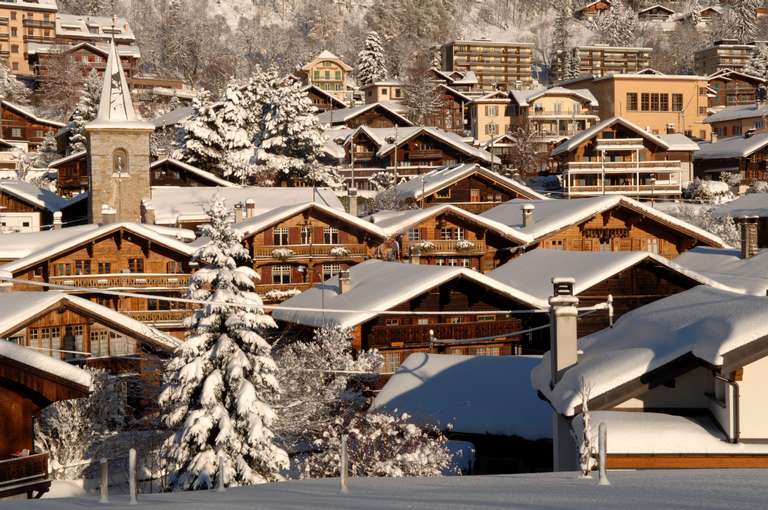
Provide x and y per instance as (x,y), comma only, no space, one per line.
(689,393)
(753,401)
(19,222)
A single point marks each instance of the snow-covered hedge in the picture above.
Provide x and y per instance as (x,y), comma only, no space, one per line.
(702,217)
(339,251)
(758,187)
(276,295)
(464,244)
(425,246)
(282,253)
(708,192)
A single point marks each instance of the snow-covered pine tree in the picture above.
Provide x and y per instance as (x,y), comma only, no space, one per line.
(695,12)
(561,39)
(421,92)
(744,20)
(221,383)
(12,89)
(758,63)
(574,67)
(48,151)
(203,145)
(616,26)
(86,110)
(371,63)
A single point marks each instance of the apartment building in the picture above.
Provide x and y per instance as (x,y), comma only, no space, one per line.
(489,116)
(329,73)
(23,22)
(602,59)
(723,54)
(497,65)
(658,103)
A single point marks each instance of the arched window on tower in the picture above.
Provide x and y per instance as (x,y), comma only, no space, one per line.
(120,162)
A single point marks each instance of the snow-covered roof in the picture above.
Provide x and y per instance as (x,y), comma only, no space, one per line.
(656,6)
(39,5)
(525,97)
(16,245)
(726,266)
(678,142)
(39,361)
(34,195)
(124,50)
(552,215)
(93,27)
(397,222)
(177,205)
(173,117)
(19,307)
(378,286)
(327,55)
(72,157)
(431,182)
(344,115)
(733,147)
(739,112)
(725,74)
(704,322)
(751,204)
(533,272)
(317,90)
(24,112)
(213,179)
(581,137)
(474,394)
(265,220)
(60,243)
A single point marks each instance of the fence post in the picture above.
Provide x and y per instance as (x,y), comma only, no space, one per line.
(610,310)
(104,498)
(220,482)
(132,476)
(602,444)
(343,468)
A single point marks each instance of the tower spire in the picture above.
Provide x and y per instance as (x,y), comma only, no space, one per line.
(116,105)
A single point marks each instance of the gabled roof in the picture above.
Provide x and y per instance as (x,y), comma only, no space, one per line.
(72,157)
(533,272)
(725,74)
(495,96)
(33,195)
(592,3)
(320,92)
(553,215)
(747,111)
(208,176)
(31,116)
(327,55)
(583,136)
(269,218)
(525,97)
(19,307)
(651,71)
(726,266)
(656,6)
(751,204)
(60,244)
(429,183)
(378,286)
(703,323)
(397,222)
(455,92)
(733,147)
(344,115)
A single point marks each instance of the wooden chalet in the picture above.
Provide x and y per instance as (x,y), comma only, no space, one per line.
(452,114)
(72,174)
(374,115)
(474,321)
(692,365)
(592,9)
(25,207)
(733,88)
(631,279)
(29,382)
(609,223)
(469,186)
(406,152)
(119,256)
(322,100)
(18,124)
(616,156)
(656,12)
(746,155)
(446,235)
(296,246)
(43,58)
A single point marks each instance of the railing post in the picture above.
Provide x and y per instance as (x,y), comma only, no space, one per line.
(343,468)
(132,476)
(602,445)
(104,484)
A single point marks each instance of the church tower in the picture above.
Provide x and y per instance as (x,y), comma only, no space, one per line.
(118,151)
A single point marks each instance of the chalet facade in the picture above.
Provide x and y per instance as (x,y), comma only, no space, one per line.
(25,207)
(374,115)
(473,304)
(655,13)
(469,186)
(746,155)
(736,121)
(489,116)
(296,246)
(592,9)
(733,88)
(329,73)
(72,174)
(44,59)
(383,91)
(452,113)
(616,156)
(20,125)
(600,224)
(322,100)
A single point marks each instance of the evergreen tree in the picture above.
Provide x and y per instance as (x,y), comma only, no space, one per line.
(744,20)
(696,18)
(617,26)
(48,151)
(221,383)
(371,64)
(12,89)
(758,63)
(421,93)
(86,110)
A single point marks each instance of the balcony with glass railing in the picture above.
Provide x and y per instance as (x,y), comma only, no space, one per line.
(640,178)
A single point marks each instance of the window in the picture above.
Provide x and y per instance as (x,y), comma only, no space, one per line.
(39,133)
(702,110)
(760,124)
(306,235)
(15,66)
(136,265)
(459,234)
(654,102)
(330,235)
(677,102)
(104,267)
(317,74)
(383,92)
(486,318)
(331,270)
(14,31)
(392,322)
(414,234)
(664,102)
(422,321)
(491,129)
(446,233)
(281,274)
(652,245)
(280,236)
(16,132)
(645,102)
(63,269)
(702,91)
(443,193)
(13,14)
(391,361)
(398,93)
(491,111)
(454,320)
(486,351)
(82,267)
(174,267)
(100,342)
(632,101)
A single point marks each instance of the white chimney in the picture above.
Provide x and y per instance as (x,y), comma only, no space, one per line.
(345,283)
(748,227)
(238,213)
(148,214)
(352,195)
(108,214)
(563,319)
(57,223)
(250,208)
(527,210)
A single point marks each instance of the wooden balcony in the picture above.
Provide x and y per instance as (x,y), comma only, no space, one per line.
(125,280)
(159,316)
(442,247)
(24,475)
(644,167)
(425,154)
(310,251)
(384,336)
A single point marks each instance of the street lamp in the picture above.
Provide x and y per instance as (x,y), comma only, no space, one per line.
(393,140)
(653,186)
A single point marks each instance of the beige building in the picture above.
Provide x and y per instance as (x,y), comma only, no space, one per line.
(723,54)
(738,120)
(328,73)
(489,116)
(23,22)
(603,59)
(382,91)
(659,103)
(497,65)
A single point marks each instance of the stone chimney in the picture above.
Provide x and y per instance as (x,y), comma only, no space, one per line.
(250,208)
(148,214)
(345,283)
(352,195)
(563,314)
(57,223)
(238,213)
(527,210)
(748,227)
(108,214)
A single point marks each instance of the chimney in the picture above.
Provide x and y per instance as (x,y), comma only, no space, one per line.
(748,227)
(345,283)
(238,213)
(250,208)
(57,223)
(352,195)
(527,214)
(563,314)
(108,215)
(148,214)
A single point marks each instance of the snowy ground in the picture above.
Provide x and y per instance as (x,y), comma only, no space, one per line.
(630,490)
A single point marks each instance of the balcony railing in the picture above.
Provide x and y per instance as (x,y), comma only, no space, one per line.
(35,23)
(598,167)
(158,316)
(124,280)
(22,475)
(443,247)
(383,336)
(310,250)
(425,154)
